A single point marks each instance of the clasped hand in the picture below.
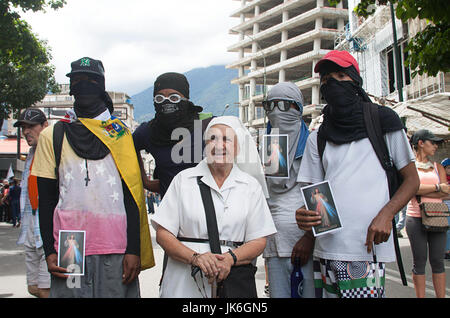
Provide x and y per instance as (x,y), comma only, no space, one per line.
(214,266)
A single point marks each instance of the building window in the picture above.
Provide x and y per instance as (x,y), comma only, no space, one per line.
(391,77)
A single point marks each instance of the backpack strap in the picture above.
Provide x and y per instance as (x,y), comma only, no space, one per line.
(321,143)
(375,135)
(58,136)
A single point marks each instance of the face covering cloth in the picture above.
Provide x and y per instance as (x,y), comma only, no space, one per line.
(288,123)
(343,116)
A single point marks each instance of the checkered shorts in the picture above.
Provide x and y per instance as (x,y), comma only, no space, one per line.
(341,279)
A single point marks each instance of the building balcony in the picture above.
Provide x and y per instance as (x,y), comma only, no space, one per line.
(289,63)
(295,22)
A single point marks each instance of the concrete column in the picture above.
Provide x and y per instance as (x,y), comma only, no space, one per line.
(340,21)
(318,25)
(315,96)
(251,106)
(283,53)
(282,76)
(320,3)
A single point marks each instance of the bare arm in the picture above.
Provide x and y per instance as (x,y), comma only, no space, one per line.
(380,228)
(244,255)
(429,190)
(207,262)
(150,185)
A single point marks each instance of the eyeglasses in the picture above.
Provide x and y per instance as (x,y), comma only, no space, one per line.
(173,98)
(283,105)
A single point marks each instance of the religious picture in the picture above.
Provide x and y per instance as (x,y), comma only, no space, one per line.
(71,251)
(319,197)
(275,156)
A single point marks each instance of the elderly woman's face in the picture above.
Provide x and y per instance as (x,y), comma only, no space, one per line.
(221,144)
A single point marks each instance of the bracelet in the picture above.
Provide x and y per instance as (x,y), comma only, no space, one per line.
(438,187)
(233,256)
(194,256)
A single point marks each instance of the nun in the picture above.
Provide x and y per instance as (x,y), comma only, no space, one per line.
(233,171)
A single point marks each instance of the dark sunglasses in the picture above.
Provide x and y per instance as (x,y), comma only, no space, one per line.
(283,105)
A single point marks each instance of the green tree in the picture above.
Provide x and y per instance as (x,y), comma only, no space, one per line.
(25,73)
(428,50)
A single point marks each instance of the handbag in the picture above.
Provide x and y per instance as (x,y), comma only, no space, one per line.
(240,282)
(434,216)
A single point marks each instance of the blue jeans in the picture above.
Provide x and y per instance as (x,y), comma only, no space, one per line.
(15,212)
(280,269)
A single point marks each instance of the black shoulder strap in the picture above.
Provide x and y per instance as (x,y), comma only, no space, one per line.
(373,126)
(321,143)
(211,221)
(58,136)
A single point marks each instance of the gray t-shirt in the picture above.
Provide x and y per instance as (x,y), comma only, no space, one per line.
(282,207)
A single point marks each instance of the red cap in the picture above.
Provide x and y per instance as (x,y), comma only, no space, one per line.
(341,58)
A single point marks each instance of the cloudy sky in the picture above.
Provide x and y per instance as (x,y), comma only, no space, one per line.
(138,39)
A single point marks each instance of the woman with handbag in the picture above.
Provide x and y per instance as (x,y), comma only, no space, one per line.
(433,187)
(231,176)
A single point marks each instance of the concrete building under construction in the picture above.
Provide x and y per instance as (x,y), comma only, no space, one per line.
(281,41)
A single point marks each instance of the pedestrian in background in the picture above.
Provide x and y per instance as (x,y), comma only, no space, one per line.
(433,187)
(5,201)
(14,195)
(150,202)
(284,107)
(446,164)
(32,122)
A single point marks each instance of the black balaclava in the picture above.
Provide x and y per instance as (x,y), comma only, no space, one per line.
(343,116)
(89,96)
(170,116)
(91,100)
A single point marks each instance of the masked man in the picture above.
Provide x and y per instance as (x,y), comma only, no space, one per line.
(175,136)
(350,263)
(89,180)
(284,107)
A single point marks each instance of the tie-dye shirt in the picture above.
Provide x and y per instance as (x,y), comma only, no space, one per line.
(90,196)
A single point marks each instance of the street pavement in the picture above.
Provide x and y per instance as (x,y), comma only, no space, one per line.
(13,271)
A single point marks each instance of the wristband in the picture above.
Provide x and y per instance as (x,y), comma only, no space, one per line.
(438,187)
(233,256)
(194,256)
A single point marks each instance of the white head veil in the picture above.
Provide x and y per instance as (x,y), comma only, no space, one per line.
(248,159)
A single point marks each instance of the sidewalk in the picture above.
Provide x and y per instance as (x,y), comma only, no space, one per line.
(13,271)
(13,277)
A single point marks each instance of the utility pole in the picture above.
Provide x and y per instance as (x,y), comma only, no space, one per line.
(397,57)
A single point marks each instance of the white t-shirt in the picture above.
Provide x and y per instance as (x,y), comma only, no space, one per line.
(241,211)
(360,190)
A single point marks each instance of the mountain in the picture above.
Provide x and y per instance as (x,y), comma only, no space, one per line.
(210,88)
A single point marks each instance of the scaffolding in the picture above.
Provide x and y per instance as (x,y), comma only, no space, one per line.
(357,41)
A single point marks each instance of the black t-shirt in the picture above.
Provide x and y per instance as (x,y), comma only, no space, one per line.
(186,154)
